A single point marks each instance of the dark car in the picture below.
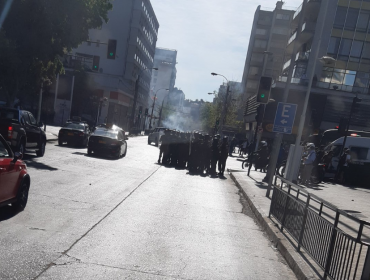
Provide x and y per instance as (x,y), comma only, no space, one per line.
(110,141)
(14,179)
(21,131)
(74,133)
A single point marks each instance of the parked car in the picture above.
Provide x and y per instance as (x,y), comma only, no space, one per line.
(156,135)
(74,133)
(22,132)
(110,141)
(14,179)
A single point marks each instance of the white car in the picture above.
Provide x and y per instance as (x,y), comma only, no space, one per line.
(156,135)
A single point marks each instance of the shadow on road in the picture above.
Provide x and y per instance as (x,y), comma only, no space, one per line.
(37,165)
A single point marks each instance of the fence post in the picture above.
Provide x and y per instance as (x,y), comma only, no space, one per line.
(303,222)
(331,246)
(285,210)
(366,271)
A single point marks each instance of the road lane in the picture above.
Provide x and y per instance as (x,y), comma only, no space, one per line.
(94,218)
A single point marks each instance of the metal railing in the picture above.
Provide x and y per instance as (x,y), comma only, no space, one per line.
(341,255)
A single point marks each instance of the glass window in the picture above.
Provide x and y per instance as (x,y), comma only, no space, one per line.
(253,70)
(261,31)
(362,79)
(4,152)
(363,21)
(338,76)
(344,49)
(356,51)
(349,78)
(9,114)
(260,43)
(340,17)
(257,57)
(32,119)
(359,153)
(282,16)
(333,45)
(366,51)
(351,19)
(326,75)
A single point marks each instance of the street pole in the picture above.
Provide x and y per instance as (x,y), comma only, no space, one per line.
(223,119)
(40,103)
(151,116)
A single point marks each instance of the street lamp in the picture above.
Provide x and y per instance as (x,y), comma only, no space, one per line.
(225,104)
(136,94)
(155,98)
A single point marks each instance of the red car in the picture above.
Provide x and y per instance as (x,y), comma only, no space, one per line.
(14,179)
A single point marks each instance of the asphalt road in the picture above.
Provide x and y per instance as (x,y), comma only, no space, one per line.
(97,218)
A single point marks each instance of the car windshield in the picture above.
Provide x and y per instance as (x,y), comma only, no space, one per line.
(8,114)
(75,126)
(106,133)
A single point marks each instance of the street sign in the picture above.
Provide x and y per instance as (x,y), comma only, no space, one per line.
(284,118)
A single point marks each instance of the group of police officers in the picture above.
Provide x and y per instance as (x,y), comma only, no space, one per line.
(197,152)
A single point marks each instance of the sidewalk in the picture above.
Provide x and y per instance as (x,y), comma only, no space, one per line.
(351,199)
(52,132)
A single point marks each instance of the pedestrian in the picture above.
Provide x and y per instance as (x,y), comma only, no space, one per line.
(308,161)
(215,154)
(326,159)
(223,156)
(164,149)
(343,164)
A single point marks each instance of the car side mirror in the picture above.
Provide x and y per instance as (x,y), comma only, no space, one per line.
(41,124)
(17,156)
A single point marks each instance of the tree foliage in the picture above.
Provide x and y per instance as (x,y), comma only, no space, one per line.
(37,33)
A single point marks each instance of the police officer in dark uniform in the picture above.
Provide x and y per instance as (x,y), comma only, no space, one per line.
(215,154)
(224,149)
(164,149)
(206,154)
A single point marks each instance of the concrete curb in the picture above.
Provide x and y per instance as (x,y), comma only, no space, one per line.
(295,261)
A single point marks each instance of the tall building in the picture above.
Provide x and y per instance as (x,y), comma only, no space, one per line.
(117,54)
(341,69)
(269,35)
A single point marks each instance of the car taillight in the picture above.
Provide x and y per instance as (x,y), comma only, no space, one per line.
(10,132)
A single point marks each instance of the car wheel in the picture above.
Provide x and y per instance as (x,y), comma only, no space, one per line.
(118,156)
(89,151)
(21,147)
(149,142)
(125,153)
(60,142)
(41,150)
(22,197)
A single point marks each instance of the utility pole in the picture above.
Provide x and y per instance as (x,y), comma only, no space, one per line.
(223,119)
(151,115)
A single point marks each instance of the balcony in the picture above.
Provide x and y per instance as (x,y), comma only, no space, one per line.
(292,38)
(302,56)
(286,64)
(312,8)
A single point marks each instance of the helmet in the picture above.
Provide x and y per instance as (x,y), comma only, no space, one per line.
(310,145)
(263,143)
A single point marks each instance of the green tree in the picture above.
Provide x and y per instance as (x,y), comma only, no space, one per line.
(37,33)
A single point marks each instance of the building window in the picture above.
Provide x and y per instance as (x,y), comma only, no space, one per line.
(366,53)
(283,17)
(280,30)
(351,19)
(344,49)
(253,70)
(334,45)
(261,31)
(349,78)
(260,43)
(340,17)
(362,79)
(257,57)
(363,21)
(356,51)
(252,84)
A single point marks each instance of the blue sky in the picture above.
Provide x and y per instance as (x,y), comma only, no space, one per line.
(209,36)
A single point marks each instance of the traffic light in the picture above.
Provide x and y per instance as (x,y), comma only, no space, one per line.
(342,126)
(146,111)
(96,60)
(140,110)
(112,45)
(264,89)
(260,112)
